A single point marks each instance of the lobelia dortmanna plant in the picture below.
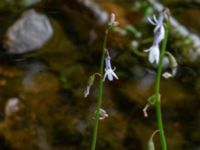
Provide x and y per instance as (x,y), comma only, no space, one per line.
(109,73)
(156,56)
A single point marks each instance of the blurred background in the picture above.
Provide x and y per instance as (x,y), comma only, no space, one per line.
(49,48)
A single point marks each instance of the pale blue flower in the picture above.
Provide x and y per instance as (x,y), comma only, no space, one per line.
(159,34)
(109,72)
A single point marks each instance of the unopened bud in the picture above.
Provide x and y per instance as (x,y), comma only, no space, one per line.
(90,82)
(112,22)
(112,18)
(172,60)
(172,65)
(151,145)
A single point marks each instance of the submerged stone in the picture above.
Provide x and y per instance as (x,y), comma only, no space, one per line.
(28,33)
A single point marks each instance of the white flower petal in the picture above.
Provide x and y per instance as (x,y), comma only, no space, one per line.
(167,75)
(151,21)
(154,18)
(104,77)
(110,74)
(113,73)
(170,74)
(154,54)
(146,50)
(151,57)
(110,77)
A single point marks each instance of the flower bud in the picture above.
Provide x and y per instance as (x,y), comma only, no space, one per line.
(112,22)
(89,84)
(150,145)
(172,60)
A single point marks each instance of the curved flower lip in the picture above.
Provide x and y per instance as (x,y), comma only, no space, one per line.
(154,54)
(110,73)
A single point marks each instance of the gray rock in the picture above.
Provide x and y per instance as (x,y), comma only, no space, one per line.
(28,33)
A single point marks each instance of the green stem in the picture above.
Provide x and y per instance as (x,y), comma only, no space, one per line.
(157,94)
(100,93)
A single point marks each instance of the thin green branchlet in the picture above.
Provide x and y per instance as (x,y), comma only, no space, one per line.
(109,73)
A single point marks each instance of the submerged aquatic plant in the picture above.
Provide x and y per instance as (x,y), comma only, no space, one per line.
(160,33)
(109,72)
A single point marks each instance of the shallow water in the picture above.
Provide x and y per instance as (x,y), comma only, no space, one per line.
(48,83)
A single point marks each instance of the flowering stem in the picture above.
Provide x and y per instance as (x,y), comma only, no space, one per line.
(157,90)
(100,93)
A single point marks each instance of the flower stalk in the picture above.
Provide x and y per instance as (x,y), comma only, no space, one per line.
(108,72)
(157,89)
(100,93)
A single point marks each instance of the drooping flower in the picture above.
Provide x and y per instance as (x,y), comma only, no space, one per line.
(173,65)
(159,34)
(109,72)
(90,83)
